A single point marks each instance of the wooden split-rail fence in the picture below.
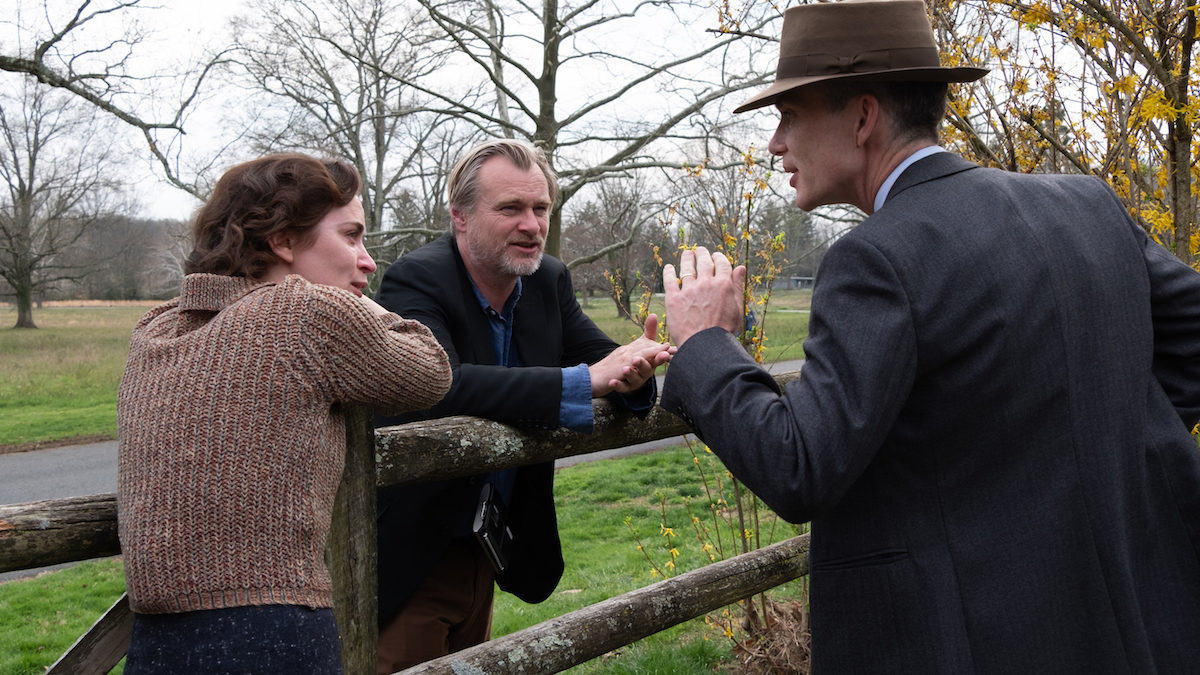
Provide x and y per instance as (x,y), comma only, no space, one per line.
(47,533)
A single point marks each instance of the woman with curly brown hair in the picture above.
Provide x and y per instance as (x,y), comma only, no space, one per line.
(232,435)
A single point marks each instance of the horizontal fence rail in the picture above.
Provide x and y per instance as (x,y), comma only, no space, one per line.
(450,447)
(100,649)
(39,534)
(572,639)
(57,531)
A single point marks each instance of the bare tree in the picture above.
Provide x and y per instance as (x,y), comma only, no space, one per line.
(90,49)
(61,176)
(319,64)
(165,272)
(611,234)
(601,87)
(127,258)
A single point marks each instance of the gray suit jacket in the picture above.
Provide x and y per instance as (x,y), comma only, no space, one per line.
(990,436)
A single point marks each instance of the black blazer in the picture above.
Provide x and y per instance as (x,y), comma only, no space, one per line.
(550,332)
(990,435)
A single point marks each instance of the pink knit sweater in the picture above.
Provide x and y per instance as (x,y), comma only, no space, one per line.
(232,436)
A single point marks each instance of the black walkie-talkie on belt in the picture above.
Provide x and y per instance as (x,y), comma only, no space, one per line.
(491,527)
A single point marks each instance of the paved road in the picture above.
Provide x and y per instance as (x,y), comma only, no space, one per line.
(72,471)
(92,469)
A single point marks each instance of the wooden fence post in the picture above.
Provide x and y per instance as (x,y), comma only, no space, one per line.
(351,551)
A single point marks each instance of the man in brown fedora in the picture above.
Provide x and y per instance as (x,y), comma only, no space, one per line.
(991,436)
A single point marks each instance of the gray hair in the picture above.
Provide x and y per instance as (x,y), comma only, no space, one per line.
(463,184)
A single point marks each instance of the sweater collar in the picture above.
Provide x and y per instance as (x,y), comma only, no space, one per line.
(215,292)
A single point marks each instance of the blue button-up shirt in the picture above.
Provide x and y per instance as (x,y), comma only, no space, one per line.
(575,407)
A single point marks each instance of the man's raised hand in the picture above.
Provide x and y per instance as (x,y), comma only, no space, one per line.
(707,292)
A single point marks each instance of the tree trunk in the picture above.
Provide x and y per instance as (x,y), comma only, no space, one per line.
(24,306)
(554,234)
(1180,146)
(1181,189)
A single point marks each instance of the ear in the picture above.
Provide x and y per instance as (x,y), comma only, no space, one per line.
(867,118)
(281,246)
(459,219)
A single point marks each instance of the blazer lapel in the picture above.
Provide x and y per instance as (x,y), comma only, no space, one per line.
(529,327)
(478,329)
(933,167)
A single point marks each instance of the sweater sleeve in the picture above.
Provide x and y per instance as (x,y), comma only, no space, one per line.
(387,362)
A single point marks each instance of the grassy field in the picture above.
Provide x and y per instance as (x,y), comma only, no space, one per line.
(786,322)
(599,505)
(42,617)
(59,382)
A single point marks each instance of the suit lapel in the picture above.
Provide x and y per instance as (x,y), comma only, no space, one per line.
(529,326)
(478,329)
(933,167)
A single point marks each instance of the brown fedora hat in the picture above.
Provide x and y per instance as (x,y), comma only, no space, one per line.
(872,40)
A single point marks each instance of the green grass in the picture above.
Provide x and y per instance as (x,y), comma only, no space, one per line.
(44,616)
(595,500)
(786,322)
(60,381)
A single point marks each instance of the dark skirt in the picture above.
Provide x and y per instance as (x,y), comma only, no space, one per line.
(259,640)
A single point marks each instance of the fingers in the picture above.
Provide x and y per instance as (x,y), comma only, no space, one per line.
(738,275)
(711,298)
(627,367)
(641,370)
(670,286)
(721,264)
(704,263)
(649,352)
(633,376)
(687,262)
(651,327)
(670,281)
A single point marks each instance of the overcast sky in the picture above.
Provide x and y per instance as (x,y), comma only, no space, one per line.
(183,31)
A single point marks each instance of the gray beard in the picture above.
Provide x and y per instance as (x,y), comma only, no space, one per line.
(497,260)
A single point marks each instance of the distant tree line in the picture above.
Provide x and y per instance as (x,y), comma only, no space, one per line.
(122,258)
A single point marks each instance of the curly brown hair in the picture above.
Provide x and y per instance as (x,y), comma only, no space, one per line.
(256,200)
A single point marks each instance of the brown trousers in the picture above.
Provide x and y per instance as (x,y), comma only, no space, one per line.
(449,611)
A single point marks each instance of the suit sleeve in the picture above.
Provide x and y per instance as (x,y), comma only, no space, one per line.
(1175,311)
(800,451)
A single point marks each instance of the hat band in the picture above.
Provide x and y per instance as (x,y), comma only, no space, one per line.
(810,65)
